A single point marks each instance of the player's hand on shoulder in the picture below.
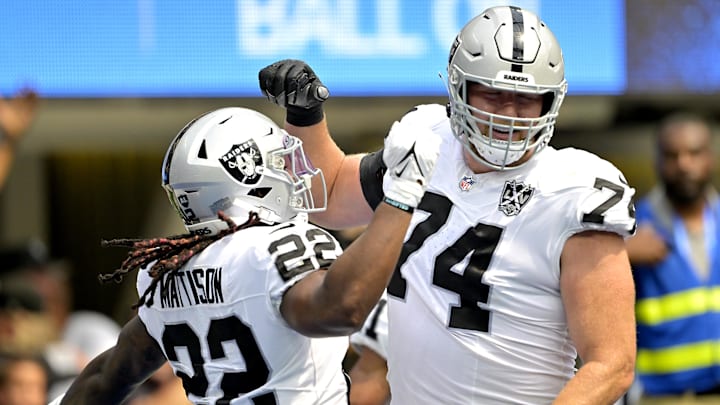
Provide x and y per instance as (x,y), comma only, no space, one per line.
(292,83)
(410,154)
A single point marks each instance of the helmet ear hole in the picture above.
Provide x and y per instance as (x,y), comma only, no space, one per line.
(259,192)
(202,152)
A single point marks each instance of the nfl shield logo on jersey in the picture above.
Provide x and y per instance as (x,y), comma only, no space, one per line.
(514,197)
(466,183)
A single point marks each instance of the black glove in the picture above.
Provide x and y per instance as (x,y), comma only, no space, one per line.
(292,84)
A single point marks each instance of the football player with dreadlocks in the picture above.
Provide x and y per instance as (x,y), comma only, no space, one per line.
(515,262)
(256,311)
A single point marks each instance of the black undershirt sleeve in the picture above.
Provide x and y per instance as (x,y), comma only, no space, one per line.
(372,170)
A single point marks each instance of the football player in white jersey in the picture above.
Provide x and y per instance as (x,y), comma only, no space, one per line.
(256,313)
(514,263)
(368,373)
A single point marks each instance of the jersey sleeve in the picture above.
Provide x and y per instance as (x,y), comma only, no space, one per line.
(603,198)
(293,252)
(372,171)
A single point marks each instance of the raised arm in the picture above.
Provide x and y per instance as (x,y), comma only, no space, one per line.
(113,375)
(293,85)
(337,301)
(16,116)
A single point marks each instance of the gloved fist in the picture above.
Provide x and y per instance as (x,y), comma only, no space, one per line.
(410,154)
(292,84)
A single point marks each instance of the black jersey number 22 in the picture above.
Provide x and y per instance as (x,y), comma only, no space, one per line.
(230,329)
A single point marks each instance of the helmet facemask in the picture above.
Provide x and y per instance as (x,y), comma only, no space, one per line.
(292,162)
(478,129)
(510,50)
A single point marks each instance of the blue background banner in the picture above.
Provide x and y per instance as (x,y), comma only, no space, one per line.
(169,48)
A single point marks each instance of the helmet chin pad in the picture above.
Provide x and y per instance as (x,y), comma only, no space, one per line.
(498,152)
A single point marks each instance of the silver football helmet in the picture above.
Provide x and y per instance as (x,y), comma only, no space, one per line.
(509,49)
(238,161)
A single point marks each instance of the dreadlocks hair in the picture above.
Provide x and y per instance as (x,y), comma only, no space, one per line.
(169,253)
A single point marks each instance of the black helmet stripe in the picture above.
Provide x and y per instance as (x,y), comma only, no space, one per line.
(518,51)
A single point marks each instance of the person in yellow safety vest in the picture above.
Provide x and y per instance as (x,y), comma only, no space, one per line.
(677,269)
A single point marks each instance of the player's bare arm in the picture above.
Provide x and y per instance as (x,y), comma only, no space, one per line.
(346,206)
(292,84)
(337,302)
(113,375)
(599,296)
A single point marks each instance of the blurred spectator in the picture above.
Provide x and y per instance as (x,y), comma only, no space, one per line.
(23,380)
(37,319)
(25,327)
(677,269)
(16,115)
(40,316)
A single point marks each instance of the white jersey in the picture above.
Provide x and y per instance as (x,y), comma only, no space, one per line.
(475,313)
(218,320)
(374,333)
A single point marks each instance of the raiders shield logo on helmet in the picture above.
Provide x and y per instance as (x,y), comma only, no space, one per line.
(243,162)
(514,197)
